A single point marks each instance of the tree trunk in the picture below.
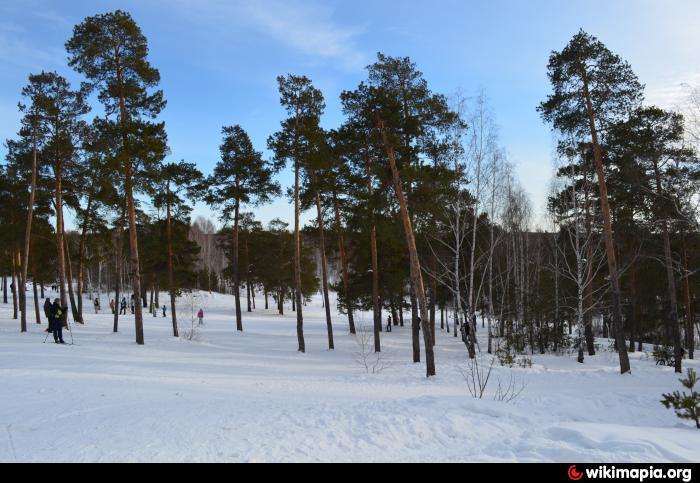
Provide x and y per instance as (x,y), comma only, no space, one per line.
(689,326)
(416,275)
(28,236)
(69,277)
(14,287)
(415,325)
(81,257)
(297,254)
(118,268)
(588,296)
(37,313)
(236,269)
(171,276)
(608,236)
(60,248)
(131,208)
(344,264)
(376,309)
(634,321)
(671,278)
(324,270)
(433,293)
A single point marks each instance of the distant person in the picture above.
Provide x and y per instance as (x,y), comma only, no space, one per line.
(97,305)
(154,310)
(388,324)
(123,306)
(164,310)
(200,316)
(466,331)
(58,314)
(47,312)
(111,306)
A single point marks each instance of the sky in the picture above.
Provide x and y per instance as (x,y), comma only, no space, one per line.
(218,60)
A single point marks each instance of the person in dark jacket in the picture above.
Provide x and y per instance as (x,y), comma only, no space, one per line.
(388,324)
(58,314)
(47,312)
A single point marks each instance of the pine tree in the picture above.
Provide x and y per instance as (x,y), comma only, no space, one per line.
(176,178)
(94,182)
(407,118)
(652,142)
(317,184)
(33,132)
(357,145)
(111,51)
(338,182)
(242,177)
(60,110)
(594,89)
(687,406)
(304,105)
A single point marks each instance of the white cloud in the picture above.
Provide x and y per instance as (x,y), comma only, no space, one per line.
(671,91)
(308,27)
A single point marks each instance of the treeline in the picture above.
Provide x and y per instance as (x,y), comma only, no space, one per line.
(417,212)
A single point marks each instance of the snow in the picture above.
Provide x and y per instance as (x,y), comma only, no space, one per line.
(228,396)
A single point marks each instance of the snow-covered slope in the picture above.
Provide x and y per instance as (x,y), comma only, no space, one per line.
(228,396)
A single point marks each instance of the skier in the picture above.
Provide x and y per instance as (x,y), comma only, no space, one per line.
(163,310)
(132,303)
(47,312)
(200,316)
(154,311)
(388,324)
(111,305)
(97,305)
(57,315)
(123,306)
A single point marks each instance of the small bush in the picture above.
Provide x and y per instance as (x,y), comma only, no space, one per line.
(506,359)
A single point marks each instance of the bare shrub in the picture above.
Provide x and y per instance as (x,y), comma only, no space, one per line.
(478,374)
(372,362)
(509,392)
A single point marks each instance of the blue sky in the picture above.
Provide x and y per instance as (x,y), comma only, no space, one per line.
(218,59)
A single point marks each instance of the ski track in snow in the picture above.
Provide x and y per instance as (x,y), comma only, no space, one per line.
(251,396)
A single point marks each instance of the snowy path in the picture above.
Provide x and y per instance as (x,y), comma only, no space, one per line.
(252,397)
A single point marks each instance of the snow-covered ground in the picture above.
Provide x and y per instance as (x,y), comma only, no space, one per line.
(228,396)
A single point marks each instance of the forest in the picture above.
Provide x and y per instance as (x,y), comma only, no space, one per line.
(417,213)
